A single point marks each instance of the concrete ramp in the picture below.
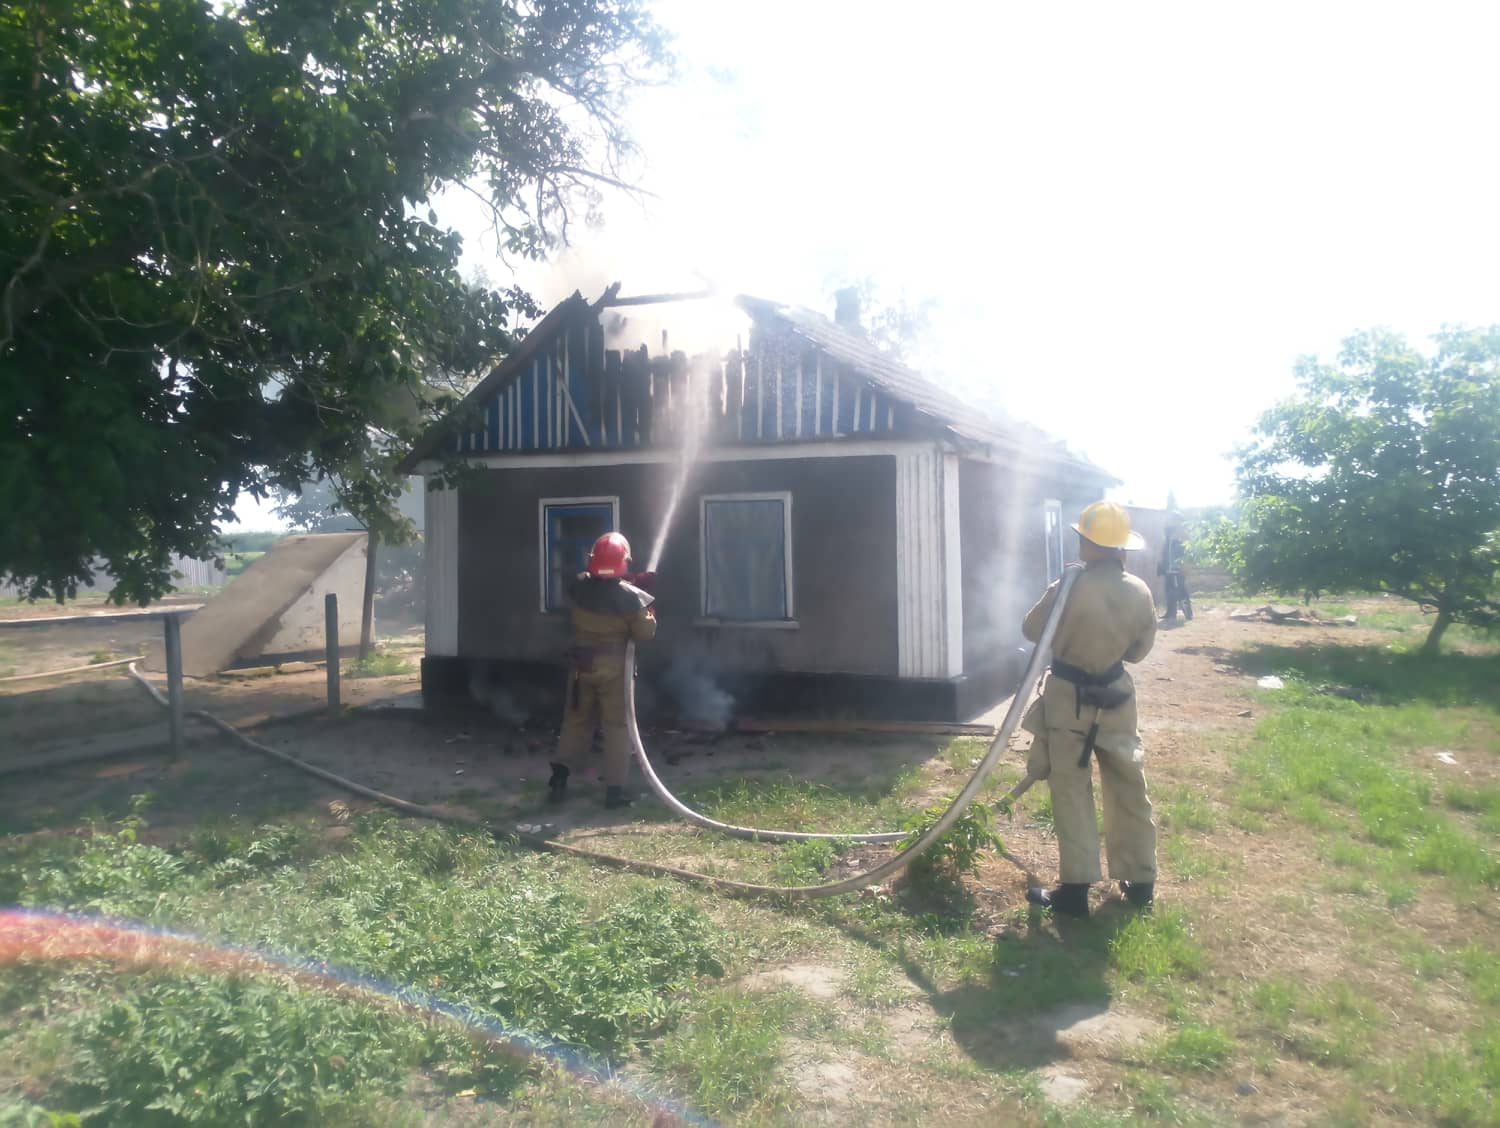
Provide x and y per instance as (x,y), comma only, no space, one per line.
(273,610)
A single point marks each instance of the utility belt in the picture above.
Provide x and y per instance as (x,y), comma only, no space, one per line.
(1096,690)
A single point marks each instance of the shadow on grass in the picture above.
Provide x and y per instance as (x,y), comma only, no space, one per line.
(937,903)
(213,780)
(1386,677)
(1036,983)
(1041,982)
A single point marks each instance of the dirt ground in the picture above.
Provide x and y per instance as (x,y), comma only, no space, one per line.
(106,713)
(1189,689)
(1198,698)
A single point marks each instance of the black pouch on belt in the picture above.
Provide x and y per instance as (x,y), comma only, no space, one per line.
(1101,697)
(1096,691)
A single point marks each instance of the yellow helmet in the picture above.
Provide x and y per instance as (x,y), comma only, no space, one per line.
(1108,525)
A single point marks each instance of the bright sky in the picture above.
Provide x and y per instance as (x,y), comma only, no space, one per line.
(1133,217)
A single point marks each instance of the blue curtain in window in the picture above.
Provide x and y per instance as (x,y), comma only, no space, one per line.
(571,532)
(745,560)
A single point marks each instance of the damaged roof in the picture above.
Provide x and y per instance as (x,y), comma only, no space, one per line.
(940,410)
(890,376)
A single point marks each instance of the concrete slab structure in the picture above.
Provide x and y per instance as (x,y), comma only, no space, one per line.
(273,611)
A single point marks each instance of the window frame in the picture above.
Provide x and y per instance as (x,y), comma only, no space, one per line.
(542,505)
(1052,506)
(785,498)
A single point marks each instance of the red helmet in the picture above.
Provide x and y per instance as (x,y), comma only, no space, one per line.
(609,556)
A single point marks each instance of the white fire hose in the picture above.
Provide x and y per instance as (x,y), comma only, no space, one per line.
(1029,679)
(1034,668)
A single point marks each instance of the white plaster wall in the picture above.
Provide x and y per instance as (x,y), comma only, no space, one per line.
(300,629)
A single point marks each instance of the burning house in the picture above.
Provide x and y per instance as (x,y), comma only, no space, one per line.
(850,537)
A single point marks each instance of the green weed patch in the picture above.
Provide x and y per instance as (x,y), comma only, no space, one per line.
(1450,1085)
(409,904)
(1193,1047)
(787,802)
(728,1057)
(1158,947)
(216,1050)
(1321,752)
(377,665)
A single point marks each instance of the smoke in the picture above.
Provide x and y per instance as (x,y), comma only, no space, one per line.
(499,700)
(1007,537)
(695,694)
(644,259)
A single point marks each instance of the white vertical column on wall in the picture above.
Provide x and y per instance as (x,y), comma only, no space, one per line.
(440,549)
(953,569)
(929,597)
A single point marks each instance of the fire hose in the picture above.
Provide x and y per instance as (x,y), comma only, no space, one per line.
(898,861)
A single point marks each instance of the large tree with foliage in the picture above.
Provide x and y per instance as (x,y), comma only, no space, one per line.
(1382,474)
(219,266)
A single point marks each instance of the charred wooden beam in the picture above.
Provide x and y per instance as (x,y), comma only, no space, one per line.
(612,301)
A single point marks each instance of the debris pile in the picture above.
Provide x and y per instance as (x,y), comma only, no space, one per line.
(1275,613)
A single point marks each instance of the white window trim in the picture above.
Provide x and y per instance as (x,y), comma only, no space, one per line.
(1050,506)
(790,622)
(541,543)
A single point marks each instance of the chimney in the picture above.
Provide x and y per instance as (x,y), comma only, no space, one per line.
(846,309)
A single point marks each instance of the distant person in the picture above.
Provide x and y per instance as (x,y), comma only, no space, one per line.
(1174,580)
(1087,706)
(607,611)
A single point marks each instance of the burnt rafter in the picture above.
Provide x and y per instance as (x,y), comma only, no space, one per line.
(800,378)
(569,392)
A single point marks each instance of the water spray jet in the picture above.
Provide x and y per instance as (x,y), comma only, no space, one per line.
(691,416)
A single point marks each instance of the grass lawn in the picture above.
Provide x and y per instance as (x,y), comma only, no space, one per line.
(1324,951)
(1399,617)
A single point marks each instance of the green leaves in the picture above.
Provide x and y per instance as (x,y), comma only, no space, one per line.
(1382,474)
(216,274)
(957,851)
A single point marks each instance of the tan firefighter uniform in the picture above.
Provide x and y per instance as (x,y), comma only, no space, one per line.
(606,613)
(1109,618)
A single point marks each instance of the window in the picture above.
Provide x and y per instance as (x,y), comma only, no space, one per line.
(570,526)
(747,558)
(1054,525)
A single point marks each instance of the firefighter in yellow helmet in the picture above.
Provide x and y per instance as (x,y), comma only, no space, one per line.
(607,610)
(1086,711)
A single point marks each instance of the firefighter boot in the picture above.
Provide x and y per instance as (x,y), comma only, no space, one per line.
(557,784)
(615,798)
(1139,893)
(1069,898)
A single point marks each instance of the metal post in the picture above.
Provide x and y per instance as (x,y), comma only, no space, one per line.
(367,613)
(331,635)
(172,637)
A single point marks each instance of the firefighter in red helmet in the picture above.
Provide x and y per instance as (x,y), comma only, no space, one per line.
(607,610)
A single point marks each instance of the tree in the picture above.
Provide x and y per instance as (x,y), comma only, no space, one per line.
(1382,474)
(220,270)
